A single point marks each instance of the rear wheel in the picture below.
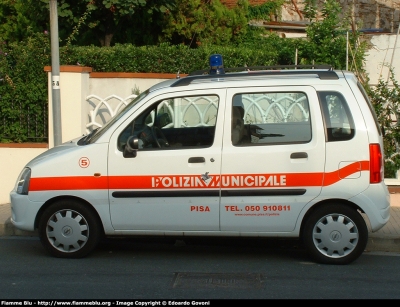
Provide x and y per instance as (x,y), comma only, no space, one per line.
(69,229)
(335,234)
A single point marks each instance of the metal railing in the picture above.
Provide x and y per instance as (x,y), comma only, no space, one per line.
(24,125)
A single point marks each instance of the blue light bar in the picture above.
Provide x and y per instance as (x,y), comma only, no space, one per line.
(216,64)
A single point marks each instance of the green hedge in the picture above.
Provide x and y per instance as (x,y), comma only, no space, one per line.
(164,58)
(23,90)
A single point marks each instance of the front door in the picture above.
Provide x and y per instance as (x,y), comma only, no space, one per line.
(273,159)
(173,182)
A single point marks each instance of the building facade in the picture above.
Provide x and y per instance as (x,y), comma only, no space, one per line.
(366,14)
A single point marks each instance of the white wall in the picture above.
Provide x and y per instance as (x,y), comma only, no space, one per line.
(380,57)
(123,87)
(74,88)
(12,161)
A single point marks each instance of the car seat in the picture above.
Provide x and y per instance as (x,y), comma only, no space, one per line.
(238,130)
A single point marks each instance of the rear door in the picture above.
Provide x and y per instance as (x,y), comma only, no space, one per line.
(347,147)
(273,159)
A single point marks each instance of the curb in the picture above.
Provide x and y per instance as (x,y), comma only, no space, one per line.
(8,229)
(379,243)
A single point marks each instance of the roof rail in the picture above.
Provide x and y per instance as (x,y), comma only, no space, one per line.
(324,72)
(273,67)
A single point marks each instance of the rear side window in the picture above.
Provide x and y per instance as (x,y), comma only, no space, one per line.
(270,118)
(338,120)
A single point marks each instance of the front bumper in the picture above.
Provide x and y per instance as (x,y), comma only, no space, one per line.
(23,211)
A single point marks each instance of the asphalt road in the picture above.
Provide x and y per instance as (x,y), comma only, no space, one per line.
(127,269)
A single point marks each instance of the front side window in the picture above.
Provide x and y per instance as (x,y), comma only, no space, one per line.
(179,122)
(270,118)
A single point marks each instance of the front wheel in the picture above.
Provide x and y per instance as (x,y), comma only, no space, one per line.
(335,234)
(69,229)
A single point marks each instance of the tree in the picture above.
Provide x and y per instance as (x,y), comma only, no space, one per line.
(90,21)
(105,18)
(7,18)
(269,10)
(327,39)
(326,36)
(386,100)
(194,22)
(20,19)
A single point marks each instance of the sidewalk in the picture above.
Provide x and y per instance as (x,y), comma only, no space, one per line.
(386,239)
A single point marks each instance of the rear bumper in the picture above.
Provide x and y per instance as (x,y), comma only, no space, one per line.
(375,202)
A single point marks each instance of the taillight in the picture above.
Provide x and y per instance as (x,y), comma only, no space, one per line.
(375,163)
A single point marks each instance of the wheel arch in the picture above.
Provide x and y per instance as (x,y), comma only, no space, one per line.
(54,200)
(326,202)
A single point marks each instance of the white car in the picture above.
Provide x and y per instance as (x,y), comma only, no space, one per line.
(289,153)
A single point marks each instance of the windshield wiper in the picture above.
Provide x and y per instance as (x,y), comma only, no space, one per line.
(87,138)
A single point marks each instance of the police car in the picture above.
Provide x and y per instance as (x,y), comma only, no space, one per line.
(288,152)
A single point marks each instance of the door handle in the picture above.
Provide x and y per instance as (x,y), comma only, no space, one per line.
(298,155)
(197,160)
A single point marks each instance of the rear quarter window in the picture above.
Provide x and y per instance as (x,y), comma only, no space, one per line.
(339,123)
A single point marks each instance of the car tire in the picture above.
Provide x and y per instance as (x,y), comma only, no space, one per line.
(69,229)
(335,234)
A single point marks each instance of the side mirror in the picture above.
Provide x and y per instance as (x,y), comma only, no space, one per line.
(131,147)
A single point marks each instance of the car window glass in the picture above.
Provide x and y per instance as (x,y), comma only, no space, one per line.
(270,118)
(338,120)
(174,123)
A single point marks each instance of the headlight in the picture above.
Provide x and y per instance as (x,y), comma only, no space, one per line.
(22,186)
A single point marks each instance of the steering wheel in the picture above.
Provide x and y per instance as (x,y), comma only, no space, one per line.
(156,132)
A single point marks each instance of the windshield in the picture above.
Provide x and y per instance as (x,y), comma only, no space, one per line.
(97,133)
